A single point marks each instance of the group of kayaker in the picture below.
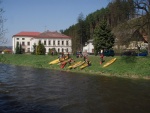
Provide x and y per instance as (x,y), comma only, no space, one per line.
(85,58)
(70,61)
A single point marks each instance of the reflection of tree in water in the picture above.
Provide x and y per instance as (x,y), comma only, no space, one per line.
(129,59)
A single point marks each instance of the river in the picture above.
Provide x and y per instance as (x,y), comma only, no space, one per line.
(34,90)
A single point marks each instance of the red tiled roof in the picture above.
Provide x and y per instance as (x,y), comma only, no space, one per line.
(32,34)
(48,34)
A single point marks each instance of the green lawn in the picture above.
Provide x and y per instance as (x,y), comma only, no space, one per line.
(131,67)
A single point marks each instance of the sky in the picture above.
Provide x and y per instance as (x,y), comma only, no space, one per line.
(42,15)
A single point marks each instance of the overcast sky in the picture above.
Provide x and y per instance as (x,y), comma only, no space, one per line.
(41,15)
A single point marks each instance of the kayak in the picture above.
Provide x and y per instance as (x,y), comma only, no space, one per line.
(84,65)
(57,60)
(66,60)
(63,64)
(54,61)
(110,62)
(77,63)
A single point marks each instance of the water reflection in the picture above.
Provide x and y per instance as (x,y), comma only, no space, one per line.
(30,90)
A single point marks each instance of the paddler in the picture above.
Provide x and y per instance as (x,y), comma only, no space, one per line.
(101,57)
(87,61)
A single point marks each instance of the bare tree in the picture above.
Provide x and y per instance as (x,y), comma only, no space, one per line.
(143,10)
(2,29)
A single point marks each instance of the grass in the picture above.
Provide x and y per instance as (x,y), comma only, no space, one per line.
(130,67)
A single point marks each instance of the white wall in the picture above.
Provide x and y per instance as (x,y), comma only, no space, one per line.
(56,46)
(88,48)
(21,40)
(47,45)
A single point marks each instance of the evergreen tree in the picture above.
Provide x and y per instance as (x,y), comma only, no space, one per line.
(17,48)
(43,49)
(40,49)
(34,49)
(81,31)
(103,38)
(20,49)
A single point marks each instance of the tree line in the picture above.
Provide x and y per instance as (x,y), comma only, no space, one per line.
(116,13)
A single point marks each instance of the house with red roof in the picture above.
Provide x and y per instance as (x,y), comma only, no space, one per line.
(61,42)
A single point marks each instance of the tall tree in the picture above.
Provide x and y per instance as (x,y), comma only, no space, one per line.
(2,30)
(103,38)
(81,39)
(20,49)
(120,11)
(34,49)
(40,49)
(17,49)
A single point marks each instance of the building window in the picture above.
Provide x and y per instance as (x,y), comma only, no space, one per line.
(62,50)
(22,38)
(44,42)
(49,42)
(58,42)
(53,42)
(23,43)
(62,42)
(67,43)
(58,50)
(28,43)
(17,38)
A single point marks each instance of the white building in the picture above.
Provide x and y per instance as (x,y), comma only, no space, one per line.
(61,42)
(89,48)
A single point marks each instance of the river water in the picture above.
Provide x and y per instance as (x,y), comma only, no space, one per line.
(32,90)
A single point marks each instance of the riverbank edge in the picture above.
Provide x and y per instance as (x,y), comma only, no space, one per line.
(38,61)
(126,76)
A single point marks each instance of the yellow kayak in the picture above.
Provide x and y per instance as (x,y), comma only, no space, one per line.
(79,64)
(66,60)
(74,64)
(54,61)
(110,62)
(84,65)
(57,60)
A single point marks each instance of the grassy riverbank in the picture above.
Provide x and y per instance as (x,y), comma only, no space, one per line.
(130,67)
